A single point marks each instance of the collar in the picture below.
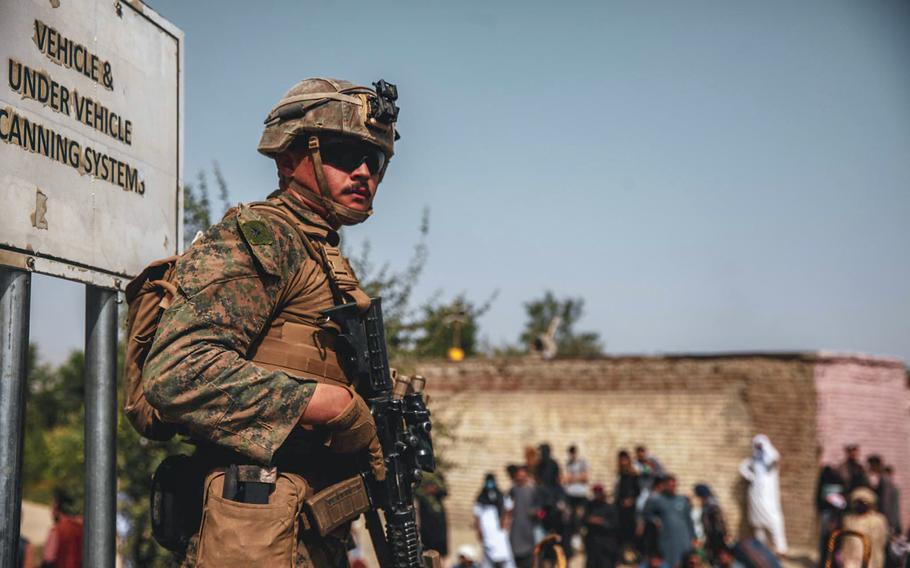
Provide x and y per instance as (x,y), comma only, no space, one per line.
(313,223)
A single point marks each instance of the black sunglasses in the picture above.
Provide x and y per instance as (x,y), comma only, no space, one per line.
(348,155)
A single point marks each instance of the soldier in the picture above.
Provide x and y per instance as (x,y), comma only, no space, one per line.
(243,361)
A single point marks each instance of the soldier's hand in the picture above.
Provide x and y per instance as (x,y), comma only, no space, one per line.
(354,430)
(377,460)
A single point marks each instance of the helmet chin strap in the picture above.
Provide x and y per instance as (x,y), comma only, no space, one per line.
(336,213)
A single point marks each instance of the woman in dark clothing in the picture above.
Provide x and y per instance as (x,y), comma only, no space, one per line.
(550,498)
(712,519)
(830,503)
(547,469)
(600,538)
(626,493)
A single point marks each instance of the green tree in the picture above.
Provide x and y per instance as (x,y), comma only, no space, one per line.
(427,330)
(570,343)
(198,212)
(54,417)
(396,288)
(441,325)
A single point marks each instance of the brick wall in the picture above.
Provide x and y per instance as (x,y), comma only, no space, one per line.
(696,414)
(865,400)
(782,404)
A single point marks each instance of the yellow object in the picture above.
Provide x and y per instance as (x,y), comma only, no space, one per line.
(552,543)
(456,354)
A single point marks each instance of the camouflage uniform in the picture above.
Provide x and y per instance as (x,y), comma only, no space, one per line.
(200,372)
(238,353)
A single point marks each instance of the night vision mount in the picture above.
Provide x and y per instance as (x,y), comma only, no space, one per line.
(382,106)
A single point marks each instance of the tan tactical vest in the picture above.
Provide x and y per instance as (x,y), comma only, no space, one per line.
(303,345)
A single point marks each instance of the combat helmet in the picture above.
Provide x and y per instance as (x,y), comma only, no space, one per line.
(318,106)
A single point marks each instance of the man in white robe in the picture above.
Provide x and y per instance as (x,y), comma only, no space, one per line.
(762,473)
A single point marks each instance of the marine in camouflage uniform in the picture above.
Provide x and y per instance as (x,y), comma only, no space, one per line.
(239,353)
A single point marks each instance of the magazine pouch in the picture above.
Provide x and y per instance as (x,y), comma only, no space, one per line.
(235,534)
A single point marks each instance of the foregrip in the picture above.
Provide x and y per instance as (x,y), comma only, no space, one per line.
(404,540)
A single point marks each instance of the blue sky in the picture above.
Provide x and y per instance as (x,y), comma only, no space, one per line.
(709,176)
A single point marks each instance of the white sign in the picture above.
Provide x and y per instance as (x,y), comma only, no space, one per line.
(91,132)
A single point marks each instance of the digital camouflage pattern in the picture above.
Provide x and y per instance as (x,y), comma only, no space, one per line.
(232,282)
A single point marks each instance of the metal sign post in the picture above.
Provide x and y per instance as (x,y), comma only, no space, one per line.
(100,425)
(15,289)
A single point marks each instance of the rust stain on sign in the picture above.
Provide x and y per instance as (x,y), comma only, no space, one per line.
(39,219)
(15,260)
(137,5)
(55,3)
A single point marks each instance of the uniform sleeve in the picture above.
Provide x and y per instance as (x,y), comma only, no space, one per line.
(196,373)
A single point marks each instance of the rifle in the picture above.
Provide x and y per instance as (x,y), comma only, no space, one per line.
(403,427)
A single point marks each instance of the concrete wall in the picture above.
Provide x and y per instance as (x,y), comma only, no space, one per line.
(697,414)
(866,401)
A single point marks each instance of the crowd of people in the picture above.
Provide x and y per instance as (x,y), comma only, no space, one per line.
(645,520)
(642,520)
(864,499)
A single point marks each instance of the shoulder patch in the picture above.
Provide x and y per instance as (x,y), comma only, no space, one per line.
(260,236)
(257,232)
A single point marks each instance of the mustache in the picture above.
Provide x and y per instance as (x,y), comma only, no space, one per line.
(357,187)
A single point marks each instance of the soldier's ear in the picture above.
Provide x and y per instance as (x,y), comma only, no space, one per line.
(287,162)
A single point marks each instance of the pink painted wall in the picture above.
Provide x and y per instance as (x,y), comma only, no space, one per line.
(865,400)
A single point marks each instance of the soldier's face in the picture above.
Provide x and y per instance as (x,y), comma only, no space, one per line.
(354,189)
(350,182)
